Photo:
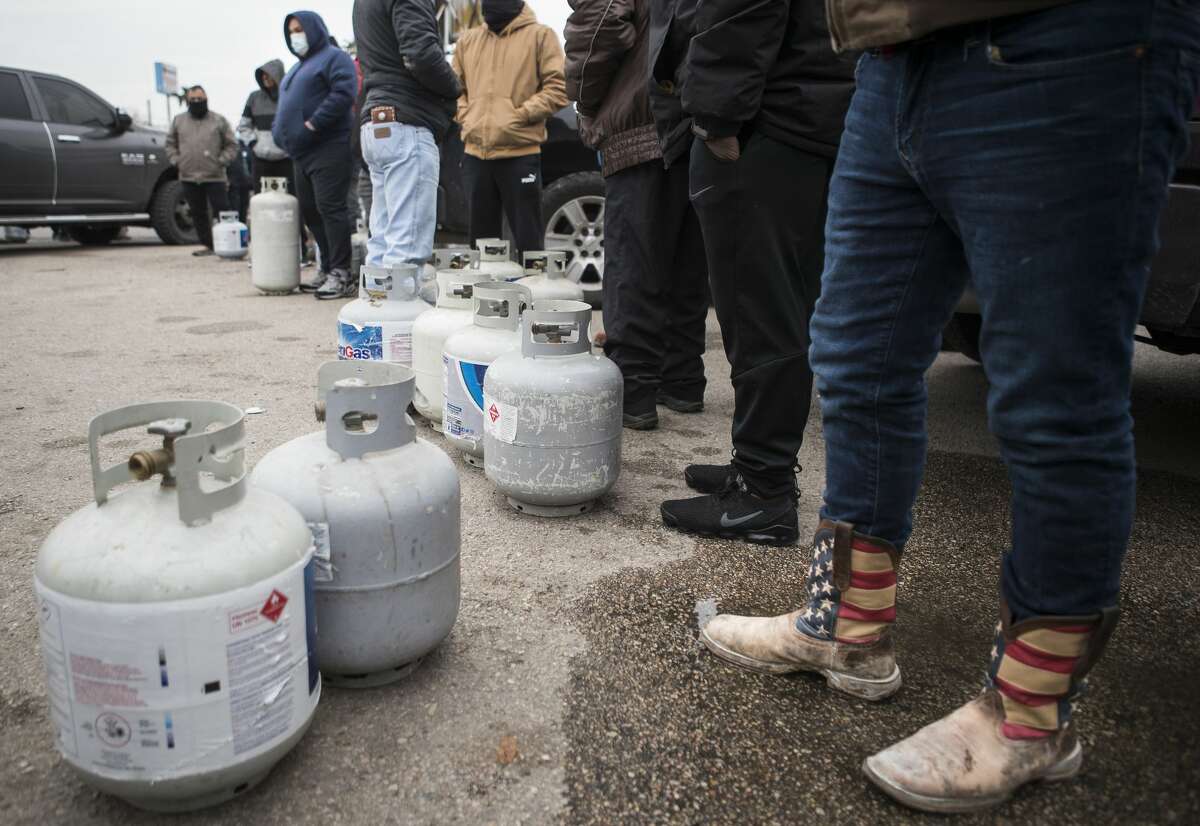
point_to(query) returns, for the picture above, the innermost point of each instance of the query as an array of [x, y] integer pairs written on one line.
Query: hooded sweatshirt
[[319, 89], [259, 115]]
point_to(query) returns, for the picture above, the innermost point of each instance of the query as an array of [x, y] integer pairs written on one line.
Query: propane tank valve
[[146, 463], [554, 332], [464, 291]]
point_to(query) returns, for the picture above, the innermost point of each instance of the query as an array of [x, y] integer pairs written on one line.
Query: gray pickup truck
[[71, 160]]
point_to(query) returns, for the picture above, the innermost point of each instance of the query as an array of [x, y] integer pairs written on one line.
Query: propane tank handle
[[493, 249], [499, 304], [227, 216], [273, 184], [456, 259], [382, 395], [190, 449], [551, 263], [549, 320], [397, 283]]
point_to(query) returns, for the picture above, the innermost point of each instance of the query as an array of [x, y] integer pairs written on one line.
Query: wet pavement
[[573, 689]]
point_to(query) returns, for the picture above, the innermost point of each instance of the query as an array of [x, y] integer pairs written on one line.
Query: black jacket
[[672, 24], [403, 63], [769, 65]]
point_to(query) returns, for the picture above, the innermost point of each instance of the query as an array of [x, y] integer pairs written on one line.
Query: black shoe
[[680, 405], [736, 513], [312, 286], [202, 251], [640, 421], [707, 478]]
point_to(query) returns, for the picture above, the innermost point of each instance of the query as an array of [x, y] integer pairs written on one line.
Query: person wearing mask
[[1028, 156], [313, 124], [254, 128], [655, 292], [408, 106], [511, 73], [767, 97], [200, 145]]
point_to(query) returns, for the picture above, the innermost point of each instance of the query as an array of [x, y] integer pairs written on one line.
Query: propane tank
[[454, 312], [383, 507], [494, 331], [176, 624], [230, 236], [378, 324], [275, 252], [552, 415], [546, 277], [495, 260]]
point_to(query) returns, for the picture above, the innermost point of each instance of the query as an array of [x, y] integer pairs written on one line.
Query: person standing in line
[[1029, 156], [313, 124], [200, 145], [511, 73], [655, 292], [767, 97], [408, 106]]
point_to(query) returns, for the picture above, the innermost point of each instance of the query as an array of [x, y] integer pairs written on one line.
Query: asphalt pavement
[[573, 689]]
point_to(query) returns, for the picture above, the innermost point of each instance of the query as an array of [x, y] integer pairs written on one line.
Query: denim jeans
[[1028, 156], [404, 177]]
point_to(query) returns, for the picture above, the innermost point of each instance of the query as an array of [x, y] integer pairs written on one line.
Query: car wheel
[[962, 335], [171, 216], [574, 210], [94, 234]]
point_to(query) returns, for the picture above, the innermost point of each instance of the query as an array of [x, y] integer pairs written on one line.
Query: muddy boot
[[844, 630], [1017, 731]]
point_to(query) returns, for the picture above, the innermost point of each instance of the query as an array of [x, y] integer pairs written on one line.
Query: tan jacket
[[865, 24], [200, 148], [512, 83]]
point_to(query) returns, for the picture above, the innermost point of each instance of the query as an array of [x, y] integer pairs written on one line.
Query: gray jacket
[[200, 148], [259, 115]]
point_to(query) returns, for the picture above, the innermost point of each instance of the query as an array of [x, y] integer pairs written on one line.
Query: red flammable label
[[273, 607], [493, 412]]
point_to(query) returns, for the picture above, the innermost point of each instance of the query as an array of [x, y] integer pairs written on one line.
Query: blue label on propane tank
[[355, 343]]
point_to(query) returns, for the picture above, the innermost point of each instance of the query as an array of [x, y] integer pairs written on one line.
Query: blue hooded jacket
[[319, 89]]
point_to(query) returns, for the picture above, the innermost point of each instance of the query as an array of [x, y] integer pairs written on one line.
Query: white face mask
[[299, 43]]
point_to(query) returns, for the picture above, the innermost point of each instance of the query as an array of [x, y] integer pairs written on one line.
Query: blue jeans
[[404, 176], [1028, 156]]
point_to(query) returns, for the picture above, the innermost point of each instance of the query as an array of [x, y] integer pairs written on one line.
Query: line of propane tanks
[[188, 620]]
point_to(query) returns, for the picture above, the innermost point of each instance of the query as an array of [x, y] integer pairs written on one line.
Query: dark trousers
[[199, 196], [322, 185], [508, 187], [763, 217], [655, 284]]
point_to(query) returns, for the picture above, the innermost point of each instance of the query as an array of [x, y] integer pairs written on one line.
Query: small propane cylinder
[[176, 619], [494, 331], [495, 260], [546, 277], [552, 415], [454, 312], [378, 324], [230, 236], [383, 507], [275, 252]]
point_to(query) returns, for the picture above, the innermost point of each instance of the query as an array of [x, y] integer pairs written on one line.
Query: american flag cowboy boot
[[843, 630]]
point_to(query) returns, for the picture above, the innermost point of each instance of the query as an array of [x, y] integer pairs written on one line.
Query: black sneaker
[[339, 284], [640, 421], [317, 283], [680, 405], [707, 478], [201, 252], [736, 513]]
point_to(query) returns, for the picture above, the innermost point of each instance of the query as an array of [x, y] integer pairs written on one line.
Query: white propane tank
[[230, 236], [546, 277], [494, 331], [275, 251], [495, 259], [176, 624], [383, 507], [378, 324], [454, 312], [552, 415]]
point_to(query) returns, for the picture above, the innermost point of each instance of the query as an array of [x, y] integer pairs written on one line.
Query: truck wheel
[[171, 216], [573, 207], [94, 234], [962, 335]]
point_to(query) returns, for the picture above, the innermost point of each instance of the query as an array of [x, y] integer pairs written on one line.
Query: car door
[[26, 156], [100, 167]]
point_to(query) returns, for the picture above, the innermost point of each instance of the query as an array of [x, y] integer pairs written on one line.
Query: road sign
[[166, 79]]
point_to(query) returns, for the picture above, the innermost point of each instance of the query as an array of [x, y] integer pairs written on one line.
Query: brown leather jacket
[[607, 46], [865, 24]]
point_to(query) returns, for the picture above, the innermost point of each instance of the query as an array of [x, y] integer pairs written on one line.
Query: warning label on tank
[[152, 690], [322, 563], [500, 420], [389, 341], [462, 416]]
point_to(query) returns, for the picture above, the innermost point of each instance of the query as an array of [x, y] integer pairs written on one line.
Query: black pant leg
[[763, 220], [681, 260], [486, 215], [520, 184], [197, 200], [329, 175], [308, 208], [217, 193]]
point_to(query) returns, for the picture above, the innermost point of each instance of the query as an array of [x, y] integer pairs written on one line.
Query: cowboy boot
[[844, 629], [1017, 731]]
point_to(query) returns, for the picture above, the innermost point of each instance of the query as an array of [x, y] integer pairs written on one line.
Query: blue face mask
[[299, 43]]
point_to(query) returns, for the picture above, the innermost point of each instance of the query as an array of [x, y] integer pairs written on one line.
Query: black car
[[72, 160]]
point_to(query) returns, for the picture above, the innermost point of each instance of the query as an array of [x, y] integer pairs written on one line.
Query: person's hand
[[724, 149], [308, 125]]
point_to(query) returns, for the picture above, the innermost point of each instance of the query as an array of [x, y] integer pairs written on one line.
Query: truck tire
[[573, 209], [94, 234], [962, 335], [171, 216]]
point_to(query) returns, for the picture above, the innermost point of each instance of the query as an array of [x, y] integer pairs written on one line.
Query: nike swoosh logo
[[726, 522], [694, 195]]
